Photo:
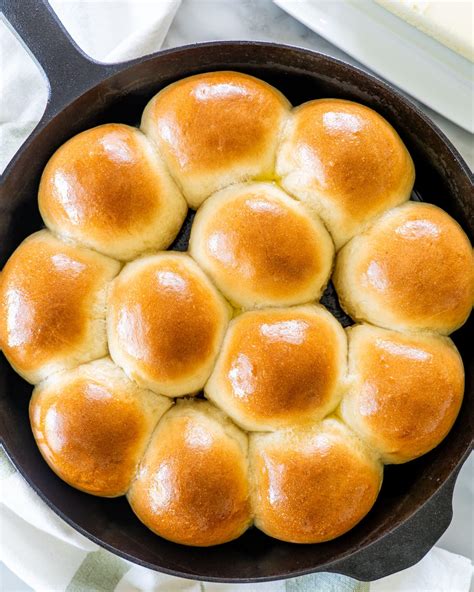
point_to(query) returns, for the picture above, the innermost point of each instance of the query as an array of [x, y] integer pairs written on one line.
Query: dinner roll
[[165, 323], [52, 306], [347, 161], [107, 189], [92, 425], [313, 485], [261, 247], [280, 368], [412, 269], [192, 486], [216, 128], [405, 390]]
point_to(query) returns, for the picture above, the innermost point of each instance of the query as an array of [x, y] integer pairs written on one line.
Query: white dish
[[397, 51]]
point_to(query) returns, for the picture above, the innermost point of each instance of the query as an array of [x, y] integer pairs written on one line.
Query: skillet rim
[[111, 71]]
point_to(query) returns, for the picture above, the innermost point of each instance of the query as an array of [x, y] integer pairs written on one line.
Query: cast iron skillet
[[414, 506]]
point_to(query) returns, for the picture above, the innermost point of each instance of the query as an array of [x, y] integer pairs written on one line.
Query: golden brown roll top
[[107, 189], [405, 390], [261, 247], [92, 425], [215, 129], [412, 269], [347, 161], [280, 368], [165, 323], [52, 306], [311, 486], [192, 486]]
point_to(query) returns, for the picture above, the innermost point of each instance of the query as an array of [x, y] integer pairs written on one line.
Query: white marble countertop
[[204, 20]]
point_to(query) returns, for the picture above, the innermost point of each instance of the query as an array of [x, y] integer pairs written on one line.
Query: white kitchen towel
[[36, 544], [107, 30], [50, 556]]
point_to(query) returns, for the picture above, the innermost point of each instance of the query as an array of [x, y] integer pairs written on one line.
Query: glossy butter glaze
[[312, 486], [52, 305], [107, 188], [413, 269], [92, 426], [216, 128], [406, 390], [165, 323], [261, 247], [280, 368], [347, 161], [192, 487]]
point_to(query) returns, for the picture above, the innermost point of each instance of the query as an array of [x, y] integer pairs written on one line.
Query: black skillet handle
[[407, 544], [68, 70]]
